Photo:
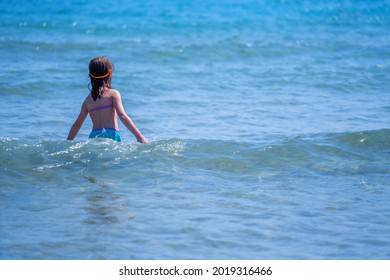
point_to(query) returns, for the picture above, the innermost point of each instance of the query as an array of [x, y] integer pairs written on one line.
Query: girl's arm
[[78, 123], [126, 119]]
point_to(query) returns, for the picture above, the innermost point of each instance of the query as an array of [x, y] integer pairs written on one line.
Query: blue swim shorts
[[110, 133]]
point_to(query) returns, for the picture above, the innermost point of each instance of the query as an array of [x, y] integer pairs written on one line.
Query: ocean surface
[[268, 122]]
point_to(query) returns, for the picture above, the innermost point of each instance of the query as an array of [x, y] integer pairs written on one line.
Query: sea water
[[268, 127]]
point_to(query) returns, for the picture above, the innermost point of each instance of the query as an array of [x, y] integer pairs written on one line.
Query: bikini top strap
[[101, 107]]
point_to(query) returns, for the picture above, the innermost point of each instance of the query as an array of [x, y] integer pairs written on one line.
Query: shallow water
[[268, 124], [324, 196]]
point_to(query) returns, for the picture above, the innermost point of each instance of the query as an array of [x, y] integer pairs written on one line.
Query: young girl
[[103, 105]]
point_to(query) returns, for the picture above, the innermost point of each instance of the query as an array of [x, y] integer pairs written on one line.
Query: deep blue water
[[268, 124]]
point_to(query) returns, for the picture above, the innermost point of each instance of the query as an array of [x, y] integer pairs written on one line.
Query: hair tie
[[101, 77]]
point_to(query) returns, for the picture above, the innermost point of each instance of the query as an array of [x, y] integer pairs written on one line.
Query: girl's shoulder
[[114, 93], [88, 102], [88, 99]]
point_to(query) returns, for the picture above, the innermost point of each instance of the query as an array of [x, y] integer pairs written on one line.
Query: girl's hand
[[142, 140]]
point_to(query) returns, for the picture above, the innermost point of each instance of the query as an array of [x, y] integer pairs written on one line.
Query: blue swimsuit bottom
[[110, 133]]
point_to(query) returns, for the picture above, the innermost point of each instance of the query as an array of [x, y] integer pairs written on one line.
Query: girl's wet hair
[[100, 69]]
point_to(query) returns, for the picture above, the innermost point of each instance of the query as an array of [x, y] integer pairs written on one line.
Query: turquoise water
[[268, 124]]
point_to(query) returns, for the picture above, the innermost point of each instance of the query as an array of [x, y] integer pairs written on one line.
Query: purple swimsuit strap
[[101, 107]]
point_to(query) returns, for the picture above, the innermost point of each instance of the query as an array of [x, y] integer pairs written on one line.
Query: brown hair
[[100, 69]]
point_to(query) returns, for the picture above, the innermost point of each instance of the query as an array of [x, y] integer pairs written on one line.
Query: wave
[[347, 153]]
